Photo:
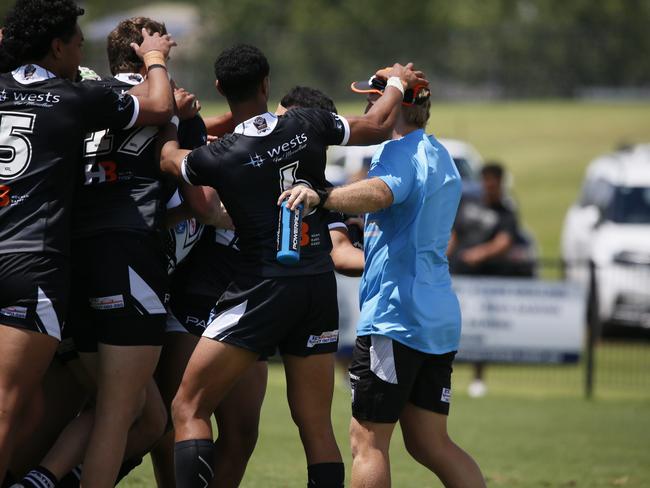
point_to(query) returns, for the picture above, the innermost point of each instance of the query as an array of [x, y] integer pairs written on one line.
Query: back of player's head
[[306, 97], [121, 56], [30, 27], [493, 169], [240, 70], [417, 114]]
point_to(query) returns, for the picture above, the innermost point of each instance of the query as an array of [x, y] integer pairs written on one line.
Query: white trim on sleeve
[[184, 171], [337, 225], [346, 127], [136, 112]]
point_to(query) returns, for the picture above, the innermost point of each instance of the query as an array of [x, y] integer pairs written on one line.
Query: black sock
[[325, 475], [39, 477], [127, 466], [193, 461], [72, 479]]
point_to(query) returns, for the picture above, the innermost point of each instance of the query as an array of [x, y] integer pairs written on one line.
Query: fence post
[[593, 332]]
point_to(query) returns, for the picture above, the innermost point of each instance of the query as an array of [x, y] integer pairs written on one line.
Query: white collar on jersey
[[258, 126], [31, 73], [130, 78]]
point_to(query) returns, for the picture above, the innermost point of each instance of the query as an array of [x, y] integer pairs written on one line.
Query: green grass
[[533, 429], [546, 146]]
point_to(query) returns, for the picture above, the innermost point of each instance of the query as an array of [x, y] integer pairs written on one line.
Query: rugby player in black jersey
[[270, 305], [44, 117]]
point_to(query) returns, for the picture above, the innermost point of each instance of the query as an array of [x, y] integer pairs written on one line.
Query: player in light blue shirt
[[406, 288], [409, 328]]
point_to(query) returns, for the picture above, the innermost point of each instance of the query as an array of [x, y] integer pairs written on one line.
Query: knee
[[314, 422], [360, 440], [153, 421], [10, 400], [427, 450]]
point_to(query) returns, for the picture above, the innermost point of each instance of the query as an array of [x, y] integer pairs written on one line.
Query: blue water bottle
[[289, 234]]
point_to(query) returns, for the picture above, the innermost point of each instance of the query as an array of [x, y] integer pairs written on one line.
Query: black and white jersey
[[120, 186], [251, 167], [43, 121]]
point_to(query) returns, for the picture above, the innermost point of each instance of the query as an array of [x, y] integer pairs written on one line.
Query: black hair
[[306, 97], [31, 25], [494, 169], [240, 70]]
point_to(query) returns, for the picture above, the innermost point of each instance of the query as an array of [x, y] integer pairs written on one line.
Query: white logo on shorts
[[14, 311], [325, 338], [107, 303], [446, 395]]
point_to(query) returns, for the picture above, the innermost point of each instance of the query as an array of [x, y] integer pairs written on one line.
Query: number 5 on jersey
[[15, 147]]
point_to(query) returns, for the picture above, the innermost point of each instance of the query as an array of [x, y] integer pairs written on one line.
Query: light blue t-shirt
[[406, 289]]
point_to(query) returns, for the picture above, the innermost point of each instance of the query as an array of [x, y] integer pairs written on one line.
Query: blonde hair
[[417, 114]]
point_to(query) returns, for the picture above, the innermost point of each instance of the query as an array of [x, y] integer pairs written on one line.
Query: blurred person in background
[[487, 240]]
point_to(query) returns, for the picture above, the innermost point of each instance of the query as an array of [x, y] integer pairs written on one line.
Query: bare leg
[[175, 355], [238, 418], [123, 374], [24, 358], [426, 439], [310, 387], [212, 370], [370, 462]]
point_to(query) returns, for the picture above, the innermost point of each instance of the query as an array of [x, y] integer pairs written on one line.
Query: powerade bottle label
[[289, 235]]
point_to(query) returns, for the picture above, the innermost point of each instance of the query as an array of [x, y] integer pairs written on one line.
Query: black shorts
[[298, 315], [386, 375], [119, 290], [34, 291], [190, 313]]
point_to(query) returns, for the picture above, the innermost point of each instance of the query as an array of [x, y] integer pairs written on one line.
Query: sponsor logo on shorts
[[325, 338], [195, 321], [446, 395], [14, 311], [107, 303]]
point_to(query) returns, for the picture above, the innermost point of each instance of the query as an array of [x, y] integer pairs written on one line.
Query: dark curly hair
[[121, 56], [240, 70], [31, 25], [306, 97]]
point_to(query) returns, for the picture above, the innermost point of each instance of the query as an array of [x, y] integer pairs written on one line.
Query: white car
[[344, 162], [608, 231]]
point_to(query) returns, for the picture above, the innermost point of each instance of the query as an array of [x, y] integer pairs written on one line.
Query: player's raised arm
[[376, 125], [157, 106]]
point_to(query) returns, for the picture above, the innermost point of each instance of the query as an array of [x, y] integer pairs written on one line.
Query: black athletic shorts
[[34, 291], [386, 375], [197, 284], [119, 290], [298, 315]]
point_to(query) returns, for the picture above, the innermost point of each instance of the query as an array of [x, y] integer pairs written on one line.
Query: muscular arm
[[157, 104], [171, 155], [348, 260], [363, 196]]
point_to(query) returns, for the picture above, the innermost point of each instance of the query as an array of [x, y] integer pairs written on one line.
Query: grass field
[[534, 429]]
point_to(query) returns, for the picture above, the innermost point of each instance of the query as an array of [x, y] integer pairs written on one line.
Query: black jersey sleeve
[[104, 108], [200, 166], [192, 133], [334, 129]]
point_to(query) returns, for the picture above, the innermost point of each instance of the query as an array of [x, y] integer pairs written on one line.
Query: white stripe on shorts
[[47, 314], [382, 361], [225, 320], [144, 295]]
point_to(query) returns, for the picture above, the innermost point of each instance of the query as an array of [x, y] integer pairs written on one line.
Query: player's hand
[[409, 77], [154, 42], [187, 105], [300, 194], [472, 256]]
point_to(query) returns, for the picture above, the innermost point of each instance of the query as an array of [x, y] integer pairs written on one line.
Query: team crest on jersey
[[260, 124], [29, 71], [3, 96]]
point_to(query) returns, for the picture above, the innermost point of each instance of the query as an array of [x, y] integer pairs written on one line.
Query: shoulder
[[392, 151]]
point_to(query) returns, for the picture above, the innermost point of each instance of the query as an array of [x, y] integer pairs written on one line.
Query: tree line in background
[[473, 48]]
